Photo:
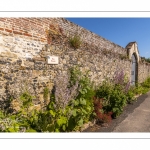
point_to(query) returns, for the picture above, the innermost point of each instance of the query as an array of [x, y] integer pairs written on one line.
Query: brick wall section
[[30, 27], [35, 29]]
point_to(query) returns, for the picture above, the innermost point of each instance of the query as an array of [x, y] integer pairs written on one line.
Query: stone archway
[[133, 55]]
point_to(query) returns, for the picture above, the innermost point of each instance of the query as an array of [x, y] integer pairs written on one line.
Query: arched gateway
[[133, 54]]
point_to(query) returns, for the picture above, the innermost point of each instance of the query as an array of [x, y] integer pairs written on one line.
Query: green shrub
[[14, 123], [23, 120], [75, 41], [117, 102], [83, 105], [105, 90], [142, 88], [53, 120], [114, 98], [130, 96], [146, 85]]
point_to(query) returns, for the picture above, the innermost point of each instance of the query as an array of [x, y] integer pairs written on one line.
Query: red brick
[[25, 19], [7, 30], [33, 22], [9, 20], [17, 32], [16, 28], [2, 29], [26, 34], [16, 21], [26, 27], [39, 23], [2, 19], [45, 22]]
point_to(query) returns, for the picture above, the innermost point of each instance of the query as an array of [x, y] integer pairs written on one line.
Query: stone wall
[[143, 71], [25, 44]]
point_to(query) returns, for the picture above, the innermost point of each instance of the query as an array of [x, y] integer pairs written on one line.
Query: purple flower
[[119, 79], [63, 92]]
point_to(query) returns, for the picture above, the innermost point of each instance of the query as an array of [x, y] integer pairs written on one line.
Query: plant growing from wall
[[107, 52], [123, 57], [75, 41], [53, 32], [26, 99], [145, 59], [46, 93]]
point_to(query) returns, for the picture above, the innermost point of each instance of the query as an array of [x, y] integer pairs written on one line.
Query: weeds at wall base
[[82, 105]]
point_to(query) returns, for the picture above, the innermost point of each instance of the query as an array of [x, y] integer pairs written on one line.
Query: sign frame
[[53, 60]]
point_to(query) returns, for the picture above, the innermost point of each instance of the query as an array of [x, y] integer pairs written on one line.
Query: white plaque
[[52, 60]]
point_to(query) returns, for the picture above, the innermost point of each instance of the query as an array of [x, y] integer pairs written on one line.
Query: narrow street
[[138, 120]]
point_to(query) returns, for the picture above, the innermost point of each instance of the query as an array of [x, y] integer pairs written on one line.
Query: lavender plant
[[124, 85], [63, 92], [121, 81], [127, 87], [119, 77]]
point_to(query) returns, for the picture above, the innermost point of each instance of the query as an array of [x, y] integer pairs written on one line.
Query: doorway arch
[[133, 54]]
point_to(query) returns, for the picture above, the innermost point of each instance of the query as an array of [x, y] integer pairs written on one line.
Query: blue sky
[[120, 30]]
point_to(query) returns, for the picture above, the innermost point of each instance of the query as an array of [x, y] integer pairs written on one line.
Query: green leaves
[[74, 113], [52, 113], [62, 123], [64, 128], [80, 122], [83, 91], [82, 101], [75, 102], [51, 127], [26, 98]]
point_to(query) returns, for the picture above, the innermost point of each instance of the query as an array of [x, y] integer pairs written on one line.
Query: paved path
[[138, 120]]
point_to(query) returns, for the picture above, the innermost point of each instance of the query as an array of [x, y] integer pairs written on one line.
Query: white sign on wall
[[28, 55], [52, 60]]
